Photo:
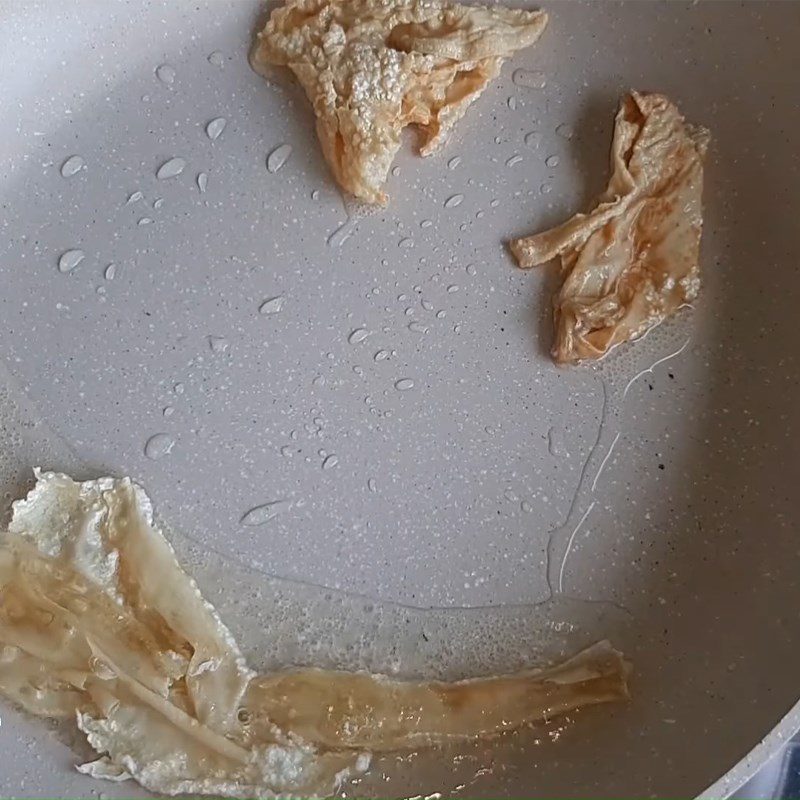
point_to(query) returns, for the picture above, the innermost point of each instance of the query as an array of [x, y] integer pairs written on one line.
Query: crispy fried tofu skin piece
[[371, 67], [633, 260]]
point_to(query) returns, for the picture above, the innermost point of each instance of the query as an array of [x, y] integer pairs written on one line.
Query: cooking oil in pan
[[281, 623], [296, 623]]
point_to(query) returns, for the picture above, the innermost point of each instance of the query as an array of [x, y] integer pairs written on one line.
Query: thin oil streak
[[569, 546], [585, 467], [555, 537], [653, 366], [605, 460]]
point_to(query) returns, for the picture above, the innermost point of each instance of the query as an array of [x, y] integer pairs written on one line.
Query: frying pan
[[420, 548]]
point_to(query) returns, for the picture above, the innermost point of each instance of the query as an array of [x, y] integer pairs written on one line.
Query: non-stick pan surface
[[425, 465]]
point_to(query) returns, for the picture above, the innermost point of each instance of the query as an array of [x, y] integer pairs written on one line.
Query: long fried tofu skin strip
[[377, 713], [99, 623]]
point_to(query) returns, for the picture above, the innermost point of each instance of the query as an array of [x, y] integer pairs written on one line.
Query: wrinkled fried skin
[[371, 67], [633, 260], [99, 623]]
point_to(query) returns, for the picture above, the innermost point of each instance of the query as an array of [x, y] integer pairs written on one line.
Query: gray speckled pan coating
[[443, 494]]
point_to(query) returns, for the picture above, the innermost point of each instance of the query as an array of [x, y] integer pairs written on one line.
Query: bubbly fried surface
[[371, 67]]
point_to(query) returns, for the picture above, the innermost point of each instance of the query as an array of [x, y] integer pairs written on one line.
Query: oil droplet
[[417, 327], [452, 288], [533, 139], [145, 221], [358, 335], [71, 166], [552, 161], [454, 162], [278, 157], [330, 461], [565, 131], [258, 515], [110, 272], [381, 355], [158, 446], [515, 159], [512, 103], [218, 344], [406, 242], [529, 79], [554, 444], [272, 306], [215, 127], [454, 201], [372, 485], [166, 74], [134, 197], [342, 233], [171, 168], [69, 260], [202, 181], [216, 58], [404, 384]]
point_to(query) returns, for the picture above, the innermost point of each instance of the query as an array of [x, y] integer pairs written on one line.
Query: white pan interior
[[425, 464]]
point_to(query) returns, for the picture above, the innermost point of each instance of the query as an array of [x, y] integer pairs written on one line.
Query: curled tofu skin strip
[[99, 623], [633, 260], [371, 67]]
